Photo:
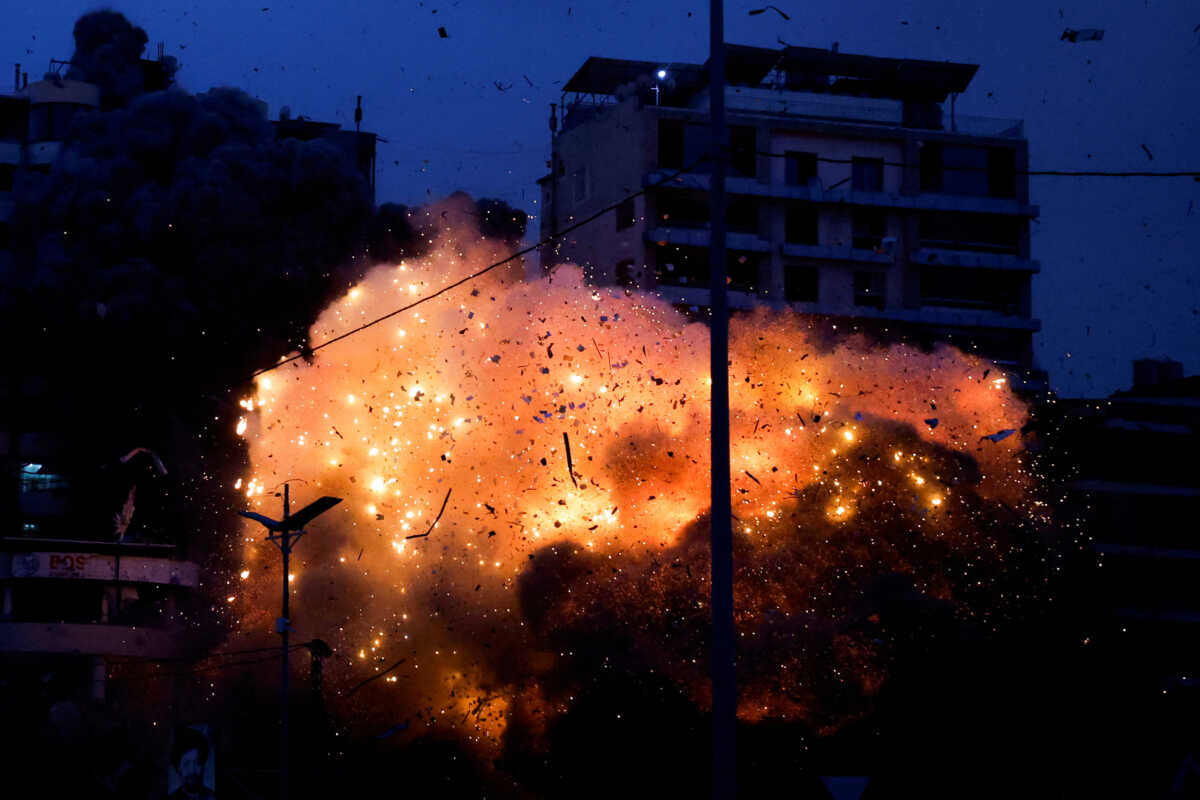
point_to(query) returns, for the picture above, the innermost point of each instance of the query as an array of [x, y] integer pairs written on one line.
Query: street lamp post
[[284, 534]]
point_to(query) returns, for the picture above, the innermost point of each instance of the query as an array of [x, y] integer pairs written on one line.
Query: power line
[[573, 227]]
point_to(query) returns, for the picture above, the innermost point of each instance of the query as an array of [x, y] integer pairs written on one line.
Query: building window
[[670, 144], [800, 284], [579, 185], [800, 224], [870, 288], [623, 276], [741, 215], [931, 167], [866, 174], [968, 170], [681, 266], [986, 233], [869, 228], [7, 173], [626, 214], [1002, 172], [741, 271], [743, 155], [978, 289], [678, 208], [800, 168], [5, 235]]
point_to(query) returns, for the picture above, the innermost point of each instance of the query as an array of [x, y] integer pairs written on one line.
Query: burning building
[[853, 192]]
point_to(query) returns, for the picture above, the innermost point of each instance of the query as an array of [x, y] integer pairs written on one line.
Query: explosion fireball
[[564, 429]]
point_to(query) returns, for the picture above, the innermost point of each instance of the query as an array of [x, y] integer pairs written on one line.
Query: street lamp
[[284, 533]]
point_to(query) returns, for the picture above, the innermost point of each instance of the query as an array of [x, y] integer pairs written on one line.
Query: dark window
[[869, 228], [870, 289], [1002, 172], [14, 119], [866, 174], [741, 271], [681, 266], [800, 167], [742, 147], [670, 144], [931, 167], [988, 233], [624, 273], [800, 284], [983, 289], [801, 223], [689, 266], [5, 235], [677, 208], [741, 215], [7, 173], [626, 214]]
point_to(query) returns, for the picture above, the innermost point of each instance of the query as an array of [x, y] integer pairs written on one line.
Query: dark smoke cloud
[[108, 52]]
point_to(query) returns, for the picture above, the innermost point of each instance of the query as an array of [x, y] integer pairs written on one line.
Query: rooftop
[[802, 68]]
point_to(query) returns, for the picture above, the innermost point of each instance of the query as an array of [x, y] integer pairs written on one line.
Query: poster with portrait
[[191, 774]]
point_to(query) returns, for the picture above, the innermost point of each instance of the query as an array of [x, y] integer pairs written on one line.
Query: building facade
[[854, 190], [1141, 495]]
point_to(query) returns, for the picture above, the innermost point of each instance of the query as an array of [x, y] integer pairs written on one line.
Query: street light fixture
[[284, 533]]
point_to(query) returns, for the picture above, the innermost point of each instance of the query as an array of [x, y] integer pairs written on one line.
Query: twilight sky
[[1119, 257]]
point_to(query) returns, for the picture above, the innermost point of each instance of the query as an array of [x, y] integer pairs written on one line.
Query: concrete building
[[855, 190], [36, 117], [1140, 490]]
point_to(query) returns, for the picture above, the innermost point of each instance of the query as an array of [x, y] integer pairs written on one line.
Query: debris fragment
[[570, 466], [442, 33], [435, 520], [932, 422], [1148, 153], [1081, 35], [999, 435], [757, 11]]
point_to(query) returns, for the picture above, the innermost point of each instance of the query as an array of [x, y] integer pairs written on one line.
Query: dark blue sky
[[1119, 256]]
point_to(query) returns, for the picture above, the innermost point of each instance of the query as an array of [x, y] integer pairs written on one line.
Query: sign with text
[[99, 567]]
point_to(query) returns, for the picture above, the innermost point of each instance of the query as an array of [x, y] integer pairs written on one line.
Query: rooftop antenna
[[358, 116], [160, 50]]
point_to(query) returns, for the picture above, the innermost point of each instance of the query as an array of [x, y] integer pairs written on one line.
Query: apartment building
[[854, 190]]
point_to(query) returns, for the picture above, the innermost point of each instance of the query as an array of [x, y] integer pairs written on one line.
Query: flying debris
[[1000, 435], [442, 33], [756, 11], [1082, 35]]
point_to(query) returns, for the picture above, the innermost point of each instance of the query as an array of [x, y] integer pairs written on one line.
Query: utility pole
[[283, 626], [724, 689], [284, 534]]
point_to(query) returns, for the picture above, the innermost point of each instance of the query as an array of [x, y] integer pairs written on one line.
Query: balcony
[[702, 237], [815, 193], [825, 252], [958, 258]]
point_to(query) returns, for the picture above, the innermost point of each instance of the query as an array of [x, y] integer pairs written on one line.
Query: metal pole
[[285, 546], [724, 690]]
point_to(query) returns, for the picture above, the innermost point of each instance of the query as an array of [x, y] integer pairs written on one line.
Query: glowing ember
[[473, 397]]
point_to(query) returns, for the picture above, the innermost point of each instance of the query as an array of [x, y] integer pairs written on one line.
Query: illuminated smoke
[[862, 480]]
